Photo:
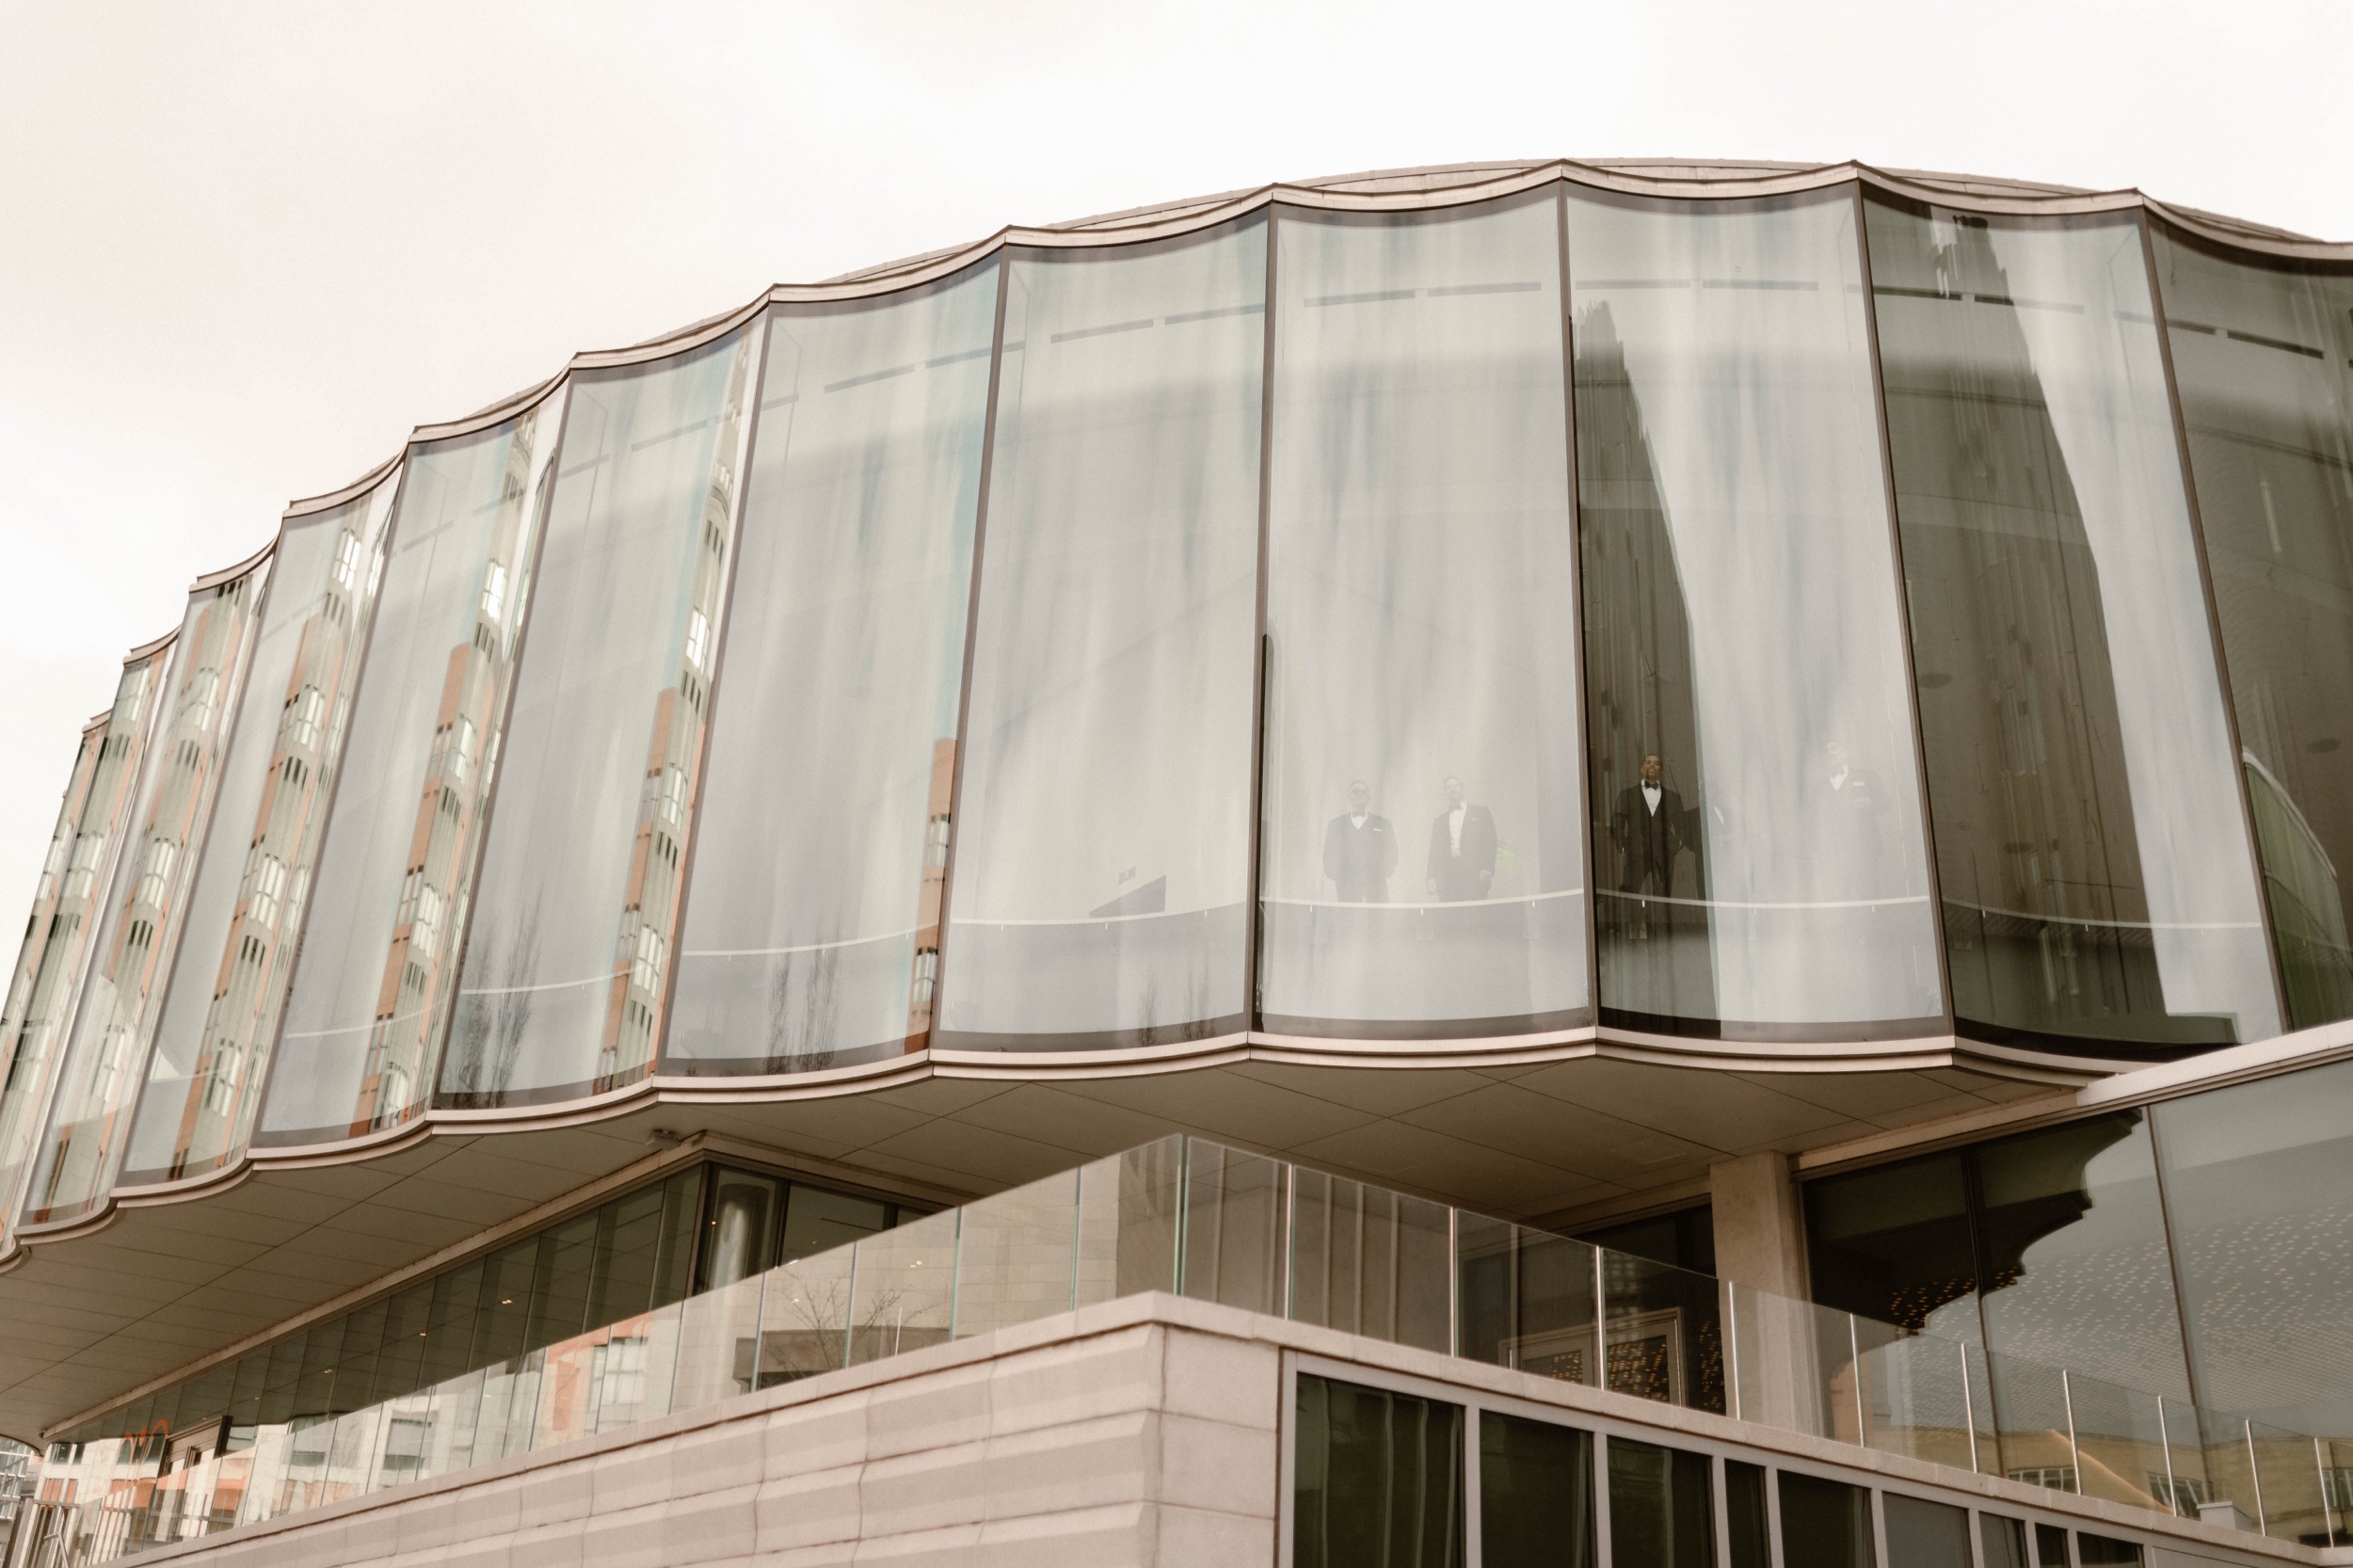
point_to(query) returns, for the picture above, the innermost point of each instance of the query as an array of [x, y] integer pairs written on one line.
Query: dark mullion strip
[[1262, 642], [972, 638], [2214, 616], [1903, 612], [1576, 621], [754, 392]]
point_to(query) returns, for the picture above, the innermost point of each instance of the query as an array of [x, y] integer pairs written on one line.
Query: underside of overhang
[[168, 1280]]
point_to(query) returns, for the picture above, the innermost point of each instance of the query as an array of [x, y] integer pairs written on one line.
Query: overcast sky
[[245, 247]]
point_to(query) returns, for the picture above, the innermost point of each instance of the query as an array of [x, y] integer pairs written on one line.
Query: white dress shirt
[[1455, 827], [1650, 793]]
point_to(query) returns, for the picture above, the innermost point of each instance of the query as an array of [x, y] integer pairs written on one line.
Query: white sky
[[245, 247]]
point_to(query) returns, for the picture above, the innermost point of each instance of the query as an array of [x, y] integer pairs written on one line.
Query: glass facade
[[2091, 840], [220, 1012], [1815, 619], [812, 929], [67, 904], [371, 994], [104, 1060], [567, 945], [1422, 864], [1100, 884], [1754, 781], [2262, 359]]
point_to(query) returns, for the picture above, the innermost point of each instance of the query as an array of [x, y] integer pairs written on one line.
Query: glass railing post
[[1454, 1278], [1732, 1348], [2074, 1450], [2255, 1477], [1968, 1404], [2328, 1510], [1854, 1371], [2165, 1441], [1601, 1319]]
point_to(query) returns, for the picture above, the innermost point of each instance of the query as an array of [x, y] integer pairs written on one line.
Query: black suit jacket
[[1459, 876], [1647, 841], [1359, 859]]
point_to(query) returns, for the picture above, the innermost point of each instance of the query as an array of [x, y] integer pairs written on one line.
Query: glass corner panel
[[371, 993], [1367, 1261], [1098, 893], [245, 911], [2262, 360], [2100, 892], [1754, 778], [104, 1061], [1017, 1256], [811, 934], [1422, 860], [1236, 1250], [1664, 1333], [574, 917], [903, 1296], [68, 906]]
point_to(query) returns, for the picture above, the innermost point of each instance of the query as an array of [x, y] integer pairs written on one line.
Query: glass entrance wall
[[66, 906], [2091, 841], [1100, 885], [105, 1062], [220, 1014], [371, 994], [1754, 794], [1421, 556], [811, 934], [568, 954], [2263, 361]]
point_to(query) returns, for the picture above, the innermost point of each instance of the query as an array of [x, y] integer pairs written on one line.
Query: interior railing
[[1192, 1217]]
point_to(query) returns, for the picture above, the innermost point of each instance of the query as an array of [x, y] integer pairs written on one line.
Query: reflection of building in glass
[[907, 921]]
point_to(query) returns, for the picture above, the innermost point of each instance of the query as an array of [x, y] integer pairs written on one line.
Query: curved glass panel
[[2259, 1187], [812, 924], [1756, 796], [1103, 859], [371, 993], [1422, 864], [568, 955], [244, 924], [2263, 358], [82, 855], [105, 1062], [2090, 840]]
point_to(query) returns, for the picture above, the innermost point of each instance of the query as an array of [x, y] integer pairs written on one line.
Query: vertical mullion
[[755, 388], [971, 628], [2143, 237], [1262, 642], [1576, 622], [1903, 611]]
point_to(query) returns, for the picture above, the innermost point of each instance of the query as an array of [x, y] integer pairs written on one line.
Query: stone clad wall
[[1138, 1443]]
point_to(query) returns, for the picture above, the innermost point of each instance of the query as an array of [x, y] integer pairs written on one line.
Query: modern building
[[1570, 863]]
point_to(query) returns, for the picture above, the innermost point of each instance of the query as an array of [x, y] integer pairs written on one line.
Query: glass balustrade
[[1189, 1217]]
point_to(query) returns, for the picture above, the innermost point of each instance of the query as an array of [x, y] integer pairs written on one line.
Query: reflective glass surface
[[371, 992], [1827, 1524], [1754, 794], [2091, 842], [1378, 1479], [105, 1062], [1535, 1494], [2262, 360], [73, 880], [220, 1012], [568, 952], [2259, 1183], [1662, 1506], [811, 934], [1422, 865], [1102, 861]]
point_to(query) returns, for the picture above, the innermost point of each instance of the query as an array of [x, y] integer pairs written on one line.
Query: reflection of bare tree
[[490, 1027], [790, 1039]]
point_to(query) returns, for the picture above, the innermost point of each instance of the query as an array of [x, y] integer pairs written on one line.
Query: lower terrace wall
[[1143, 1432]]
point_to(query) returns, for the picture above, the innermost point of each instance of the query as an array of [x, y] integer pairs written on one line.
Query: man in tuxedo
[[1360, 850], [1649, 828], [1462, 849]]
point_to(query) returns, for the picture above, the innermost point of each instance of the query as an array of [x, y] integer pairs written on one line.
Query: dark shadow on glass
[[1925, 1534], [1825, 1524], [1662, 1506], [1378, 1479], [1535, 1494]]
